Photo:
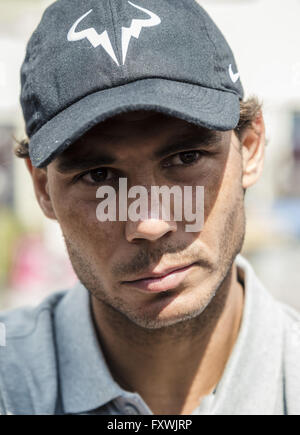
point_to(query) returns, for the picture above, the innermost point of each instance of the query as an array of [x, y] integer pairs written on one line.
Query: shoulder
[[28, 358], [292, 319], [23, 322], [279, 328], [291, 359], [291, 322]]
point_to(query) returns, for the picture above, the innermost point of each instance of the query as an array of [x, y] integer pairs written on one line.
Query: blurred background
[[265, 37]]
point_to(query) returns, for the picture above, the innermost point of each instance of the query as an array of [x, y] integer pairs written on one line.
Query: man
[[164, 320]]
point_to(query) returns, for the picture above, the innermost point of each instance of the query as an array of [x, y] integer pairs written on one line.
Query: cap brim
[[210, 108]]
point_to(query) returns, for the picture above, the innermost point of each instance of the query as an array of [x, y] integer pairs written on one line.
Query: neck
[[184, 362]]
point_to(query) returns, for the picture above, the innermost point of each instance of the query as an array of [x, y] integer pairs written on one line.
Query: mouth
[[161, 281]]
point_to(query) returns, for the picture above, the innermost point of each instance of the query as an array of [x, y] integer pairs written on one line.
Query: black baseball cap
[[89, 60]]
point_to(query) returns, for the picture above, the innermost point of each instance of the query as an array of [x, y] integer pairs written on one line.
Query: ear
[[41, 188], [253, 151]]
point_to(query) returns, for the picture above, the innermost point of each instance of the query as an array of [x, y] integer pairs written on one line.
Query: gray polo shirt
[[52, 362]]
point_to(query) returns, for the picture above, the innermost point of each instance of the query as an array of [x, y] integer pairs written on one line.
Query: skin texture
[[171, 347]]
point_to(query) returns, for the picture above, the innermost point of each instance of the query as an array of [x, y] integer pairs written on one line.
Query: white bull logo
[[103, 39]]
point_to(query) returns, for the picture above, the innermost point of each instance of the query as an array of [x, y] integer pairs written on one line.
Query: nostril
[[150, 229]]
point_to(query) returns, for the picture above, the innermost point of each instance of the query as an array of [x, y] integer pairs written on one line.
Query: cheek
[[215, 182], [82, 229], [224, 200], [232, 181]]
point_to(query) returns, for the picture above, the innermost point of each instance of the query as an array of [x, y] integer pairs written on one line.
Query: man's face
[[150, 149]]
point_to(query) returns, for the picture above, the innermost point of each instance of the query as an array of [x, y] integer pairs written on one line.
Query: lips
[[161, 281]]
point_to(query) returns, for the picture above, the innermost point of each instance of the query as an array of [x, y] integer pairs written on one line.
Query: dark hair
[[249, 111]]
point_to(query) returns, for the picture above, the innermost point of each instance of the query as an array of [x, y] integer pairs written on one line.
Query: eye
[[97, 176], [189, 157], [186, 158]]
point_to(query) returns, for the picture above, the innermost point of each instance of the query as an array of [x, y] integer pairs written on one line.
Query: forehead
[[118, 133]]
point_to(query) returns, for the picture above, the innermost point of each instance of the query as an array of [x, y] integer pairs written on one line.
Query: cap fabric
[[89, 60]]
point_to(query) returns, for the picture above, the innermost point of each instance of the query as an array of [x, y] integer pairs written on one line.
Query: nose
[[149, 229]]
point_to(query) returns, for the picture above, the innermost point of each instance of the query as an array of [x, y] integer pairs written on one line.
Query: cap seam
[[196, 8], [114, 27], [216, 52]]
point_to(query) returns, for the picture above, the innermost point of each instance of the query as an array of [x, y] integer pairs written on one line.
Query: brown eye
[[98, 175], [186, 158], [189, 157]]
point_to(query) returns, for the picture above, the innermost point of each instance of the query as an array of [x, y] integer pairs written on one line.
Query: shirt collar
[[251, 381], [85, 380]]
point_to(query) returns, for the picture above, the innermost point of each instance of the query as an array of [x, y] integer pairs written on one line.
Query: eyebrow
[[71, 164], [185, 142], [178, 143]]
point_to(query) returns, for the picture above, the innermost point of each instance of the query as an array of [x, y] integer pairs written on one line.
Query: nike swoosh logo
[[234, 76]]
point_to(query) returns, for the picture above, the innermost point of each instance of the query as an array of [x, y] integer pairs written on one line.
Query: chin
[[168, 310]]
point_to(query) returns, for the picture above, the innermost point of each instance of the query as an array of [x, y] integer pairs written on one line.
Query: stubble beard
[[232, 239]]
